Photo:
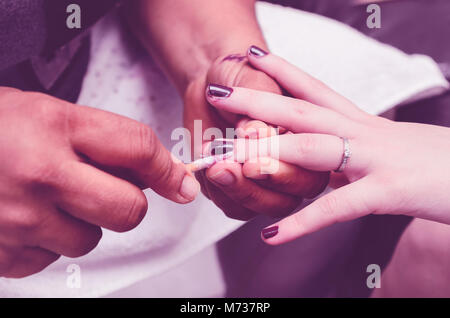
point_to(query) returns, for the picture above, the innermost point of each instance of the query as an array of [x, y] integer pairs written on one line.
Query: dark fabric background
[[38, 27], [58, 34], [22, 30]]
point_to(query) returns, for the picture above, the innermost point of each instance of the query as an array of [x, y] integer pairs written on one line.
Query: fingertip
[[264, 61], [217, 99], [269, 233], [216, 92], [269, 241], [255, 52], [189, 189]]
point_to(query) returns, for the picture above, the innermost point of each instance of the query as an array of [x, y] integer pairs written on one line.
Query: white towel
[[124, 80], [375, 76]]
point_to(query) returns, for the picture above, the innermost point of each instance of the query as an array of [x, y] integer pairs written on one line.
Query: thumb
[[119, 143], [169, 177]]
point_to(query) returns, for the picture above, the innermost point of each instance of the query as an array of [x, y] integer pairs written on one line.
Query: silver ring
[[345, 156]]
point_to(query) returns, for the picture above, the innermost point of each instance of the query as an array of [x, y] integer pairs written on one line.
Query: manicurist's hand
[[392, 168], [68, 170]]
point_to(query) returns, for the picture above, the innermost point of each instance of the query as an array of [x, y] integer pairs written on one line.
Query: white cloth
[[124, 80], [375, 76]]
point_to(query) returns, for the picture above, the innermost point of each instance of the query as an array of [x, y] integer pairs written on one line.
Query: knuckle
[[41, 172], [135, 212], [145, 146], [306, 146], [391, 188], [164, 173], [28, 222], [38, 172], [328, 205], [300, 108], [48, 111], [44, 106]]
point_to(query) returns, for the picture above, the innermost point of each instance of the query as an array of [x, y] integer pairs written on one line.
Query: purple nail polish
[[219, 91], [270, 232], [256, 51]]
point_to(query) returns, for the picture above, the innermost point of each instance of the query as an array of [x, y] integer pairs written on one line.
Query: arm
[[187, 36]]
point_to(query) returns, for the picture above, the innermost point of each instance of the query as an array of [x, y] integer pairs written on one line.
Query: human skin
[[419, 265], [197, 42], [66, 171], [395, 168]]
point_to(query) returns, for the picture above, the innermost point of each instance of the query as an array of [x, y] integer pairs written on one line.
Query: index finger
[[294, 114], [300, 84]]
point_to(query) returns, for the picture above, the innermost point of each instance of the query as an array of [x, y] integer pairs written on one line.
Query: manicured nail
[[224, 177], [219, 91], [256, 51], [270, 232], [189, 188]]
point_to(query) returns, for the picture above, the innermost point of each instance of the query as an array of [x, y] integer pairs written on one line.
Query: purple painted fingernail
[[270, 232], [256, 51], [219, 91]]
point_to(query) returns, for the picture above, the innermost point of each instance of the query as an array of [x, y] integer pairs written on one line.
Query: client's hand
[[243, 191], [393, 168]]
